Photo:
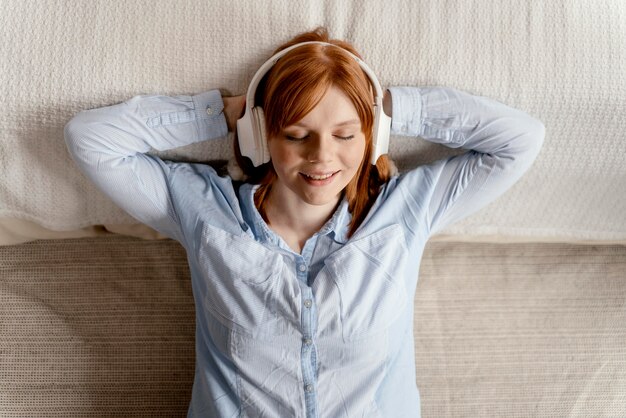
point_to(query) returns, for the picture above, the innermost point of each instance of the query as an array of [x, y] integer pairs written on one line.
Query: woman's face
[[316, 157]]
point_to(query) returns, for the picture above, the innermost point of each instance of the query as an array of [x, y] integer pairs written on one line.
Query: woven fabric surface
[[104, 327], [95, 328], [522, 330], [560, 61]]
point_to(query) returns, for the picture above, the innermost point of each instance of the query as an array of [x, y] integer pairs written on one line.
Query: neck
[[294, 219]]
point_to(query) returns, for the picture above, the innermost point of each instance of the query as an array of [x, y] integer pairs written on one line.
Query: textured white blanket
[[561, 61]]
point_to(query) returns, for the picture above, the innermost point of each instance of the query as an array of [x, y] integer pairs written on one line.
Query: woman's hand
[[233, 110]]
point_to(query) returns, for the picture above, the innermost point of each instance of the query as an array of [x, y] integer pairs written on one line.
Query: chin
[[322, 200]]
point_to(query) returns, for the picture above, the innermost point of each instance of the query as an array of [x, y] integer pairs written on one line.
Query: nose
[[320, 149]]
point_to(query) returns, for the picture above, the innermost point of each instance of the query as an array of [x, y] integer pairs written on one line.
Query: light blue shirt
[[324, 333]]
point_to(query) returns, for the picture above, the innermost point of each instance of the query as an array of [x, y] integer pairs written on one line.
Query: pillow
[[560, 61]]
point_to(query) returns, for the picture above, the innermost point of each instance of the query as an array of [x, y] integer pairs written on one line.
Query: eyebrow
[[344, 123]]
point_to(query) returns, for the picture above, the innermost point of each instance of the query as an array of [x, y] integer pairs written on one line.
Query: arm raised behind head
[[503, 143], [110, 145]]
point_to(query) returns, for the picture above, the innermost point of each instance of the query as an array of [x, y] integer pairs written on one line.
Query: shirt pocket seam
[[225, 290], [366, 246]]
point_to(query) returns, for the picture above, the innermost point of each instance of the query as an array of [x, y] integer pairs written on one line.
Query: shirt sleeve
[[503, 142], [110, 146]]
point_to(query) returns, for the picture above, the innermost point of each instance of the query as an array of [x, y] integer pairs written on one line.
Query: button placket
[[301, 270], [307, 356]]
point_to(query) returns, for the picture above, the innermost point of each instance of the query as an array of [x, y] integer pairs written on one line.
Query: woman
[[303, 276]]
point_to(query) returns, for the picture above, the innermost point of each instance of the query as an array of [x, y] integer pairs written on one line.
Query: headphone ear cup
[[262, 131], [380, 134]]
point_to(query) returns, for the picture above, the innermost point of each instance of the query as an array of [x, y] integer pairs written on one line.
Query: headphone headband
[[267, 66], [251, 127]]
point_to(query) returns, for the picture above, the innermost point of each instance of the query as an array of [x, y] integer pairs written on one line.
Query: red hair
[[293, 87]]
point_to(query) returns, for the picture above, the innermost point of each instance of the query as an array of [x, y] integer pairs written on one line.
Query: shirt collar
[[337, 226], [339, 223]]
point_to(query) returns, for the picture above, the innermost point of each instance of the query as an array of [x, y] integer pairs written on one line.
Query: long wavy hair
[[292, 88]]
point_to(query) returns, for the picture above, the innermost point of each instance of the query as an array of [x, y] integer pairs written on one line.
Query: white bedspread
[[561, 61]]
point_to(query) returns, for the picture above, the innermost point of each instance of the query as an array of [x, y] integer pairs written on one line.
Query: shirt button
[[308, 341], [302, 267], [309, 388], [209, 110], [308, 303]]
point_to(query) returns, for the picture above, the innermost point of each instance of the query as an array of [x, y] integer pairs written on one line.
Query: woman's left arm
[[503, 143]]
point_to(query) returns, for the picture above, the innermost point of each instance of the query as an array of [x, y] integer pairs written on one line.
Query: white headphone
[[251, 127]]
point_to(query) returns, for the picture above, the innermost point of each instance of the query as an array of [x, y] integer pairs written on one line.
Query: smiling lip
[[319, 179]]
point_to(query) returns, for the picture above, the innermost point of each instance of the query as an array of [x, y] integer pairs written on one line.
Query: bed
[[520, 308]]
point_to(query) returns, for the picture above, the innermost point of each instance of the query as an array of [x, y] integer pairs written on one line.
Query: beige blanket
[[104, 328], [562, 61]]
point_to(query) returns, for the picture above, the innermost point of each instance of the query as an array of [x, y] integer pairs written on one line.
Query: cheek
[[357, 153], [275, 151], [281, 156]]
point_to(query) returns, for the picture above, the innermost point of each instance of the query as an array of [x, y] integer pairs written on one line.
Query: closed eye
[[295, 138], [301, 138]]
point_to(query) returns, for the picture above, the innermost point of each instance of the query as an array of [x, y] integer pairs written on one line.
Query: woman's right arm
[[110, 146]]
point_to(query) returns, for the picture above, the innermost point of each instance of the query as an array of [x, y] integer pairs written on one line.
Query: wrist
[[233, 110]]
